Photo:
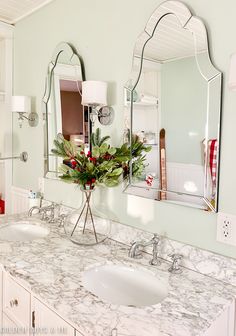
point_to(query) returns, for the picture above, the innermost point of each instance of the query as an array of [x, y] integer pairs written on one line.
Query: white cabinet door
[[225, 324], [46, 322], [10, 328], [1, 296], [16, 302]]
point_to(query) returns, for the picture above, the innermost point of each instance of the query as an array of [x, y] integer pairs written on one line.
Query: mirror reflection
[[172, 103], [64, 112]]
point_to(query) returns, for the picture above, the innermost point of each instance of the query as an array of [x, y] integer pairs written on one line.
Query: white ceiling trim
[[15, 11]]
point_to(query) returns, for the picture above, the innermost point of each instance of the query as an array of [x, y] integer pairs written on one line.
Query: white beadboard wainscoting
[[186, 178], [20, 200]]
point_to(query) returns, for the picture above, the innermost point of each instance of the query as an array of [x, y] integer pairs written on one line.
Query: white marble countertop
[[53, 268]]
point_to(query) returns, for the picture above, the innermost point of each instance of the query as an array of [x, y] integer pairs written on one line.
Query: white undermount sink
[[123, 285], [22, 231]]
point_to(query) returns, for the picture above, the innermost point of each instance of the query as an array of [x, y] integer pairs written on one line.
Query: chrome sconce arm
[[105, 115], [32, 119], [22, 157]]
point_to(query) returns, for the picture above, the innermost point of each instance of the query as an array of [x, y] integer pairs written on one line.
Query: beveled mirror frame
[[204, 64], [70, 53]]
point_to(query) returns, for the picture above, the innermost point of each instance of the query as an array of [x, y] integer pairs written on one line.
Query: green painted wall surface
[[183, 110], [104, 32]]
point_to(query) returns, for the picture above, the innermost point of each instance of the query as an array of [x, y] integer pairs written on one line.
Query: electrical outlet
[[226, 228]]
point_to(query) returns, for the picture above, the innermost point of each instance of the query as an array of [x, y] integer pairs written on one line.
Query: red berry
[[73, 163], [82, 152]]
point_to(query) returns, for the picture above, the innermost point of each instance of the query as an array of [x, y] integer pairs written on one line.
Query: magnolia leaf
[[96, 152], [103, 148], [147, 148], [122, 159], [90, 166], [116, 172], [112, 150]]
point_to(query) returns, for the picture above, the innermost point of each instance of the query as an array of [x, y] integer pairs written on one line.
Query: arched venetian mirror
[[173, 104], [63, 109]]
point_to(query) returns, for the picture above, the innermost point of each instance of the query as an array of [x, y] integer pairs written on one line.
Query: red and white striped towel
[[210, 151], [213, 147]]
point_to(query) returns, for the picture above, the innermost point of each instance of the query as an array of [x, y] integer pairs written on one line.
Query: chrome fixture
[[175, 267], [22, 105], [94, 95], [22, 157], [48, 212], [136, 250], [61, 219]]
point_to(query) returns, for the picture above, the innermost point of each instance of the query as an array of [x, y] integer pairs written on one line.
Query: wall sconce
[[232, 73], [94, 95], [22, 105]]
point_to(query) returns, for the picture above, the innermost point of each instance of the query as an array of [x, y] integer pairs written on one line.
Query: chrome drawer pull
[[14, 303]]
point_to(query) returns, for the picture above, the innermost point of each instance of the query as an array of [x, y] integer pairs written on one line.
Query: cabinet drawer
[[16, 301]]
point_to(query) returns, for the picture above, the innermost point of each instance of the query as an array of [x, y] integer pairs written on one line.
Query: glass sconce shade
[[94, 93], [21, 104]]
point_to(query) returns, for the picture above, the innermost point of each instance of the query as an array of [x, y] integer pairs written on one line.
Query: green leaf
[[112, 150], [90, 166], [148, 148], [96, 152], [116, 172], [103, 148]]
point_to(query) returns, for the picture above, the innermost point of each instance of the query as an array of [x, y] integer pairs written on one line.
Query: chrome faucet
[[48, 212], [136, 250], [175, 267]]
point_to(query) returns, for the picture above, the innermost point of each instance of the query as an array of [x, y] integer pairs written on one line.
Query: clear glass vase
[[87, 225]]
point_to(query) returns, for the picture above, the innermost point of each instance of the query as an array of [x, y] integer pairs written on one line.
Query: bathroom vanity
[[42, 287]]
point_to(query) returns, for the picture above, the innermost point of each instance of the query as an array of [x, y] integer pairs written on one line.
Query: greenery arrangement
[[104, 165]]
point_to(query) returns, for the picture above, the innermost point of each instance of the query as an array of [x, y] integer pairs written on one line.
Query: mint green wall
[[104, 32]]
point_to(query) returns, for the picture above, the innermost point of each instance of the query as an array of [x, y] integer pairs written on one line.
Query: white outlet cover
[[226, 228]]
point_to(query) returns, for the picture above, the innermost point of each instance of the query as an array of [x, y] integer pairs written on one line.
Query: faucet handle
[[175, 267], [61, 219], [155, 261], [156, 239], [175, 256]]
